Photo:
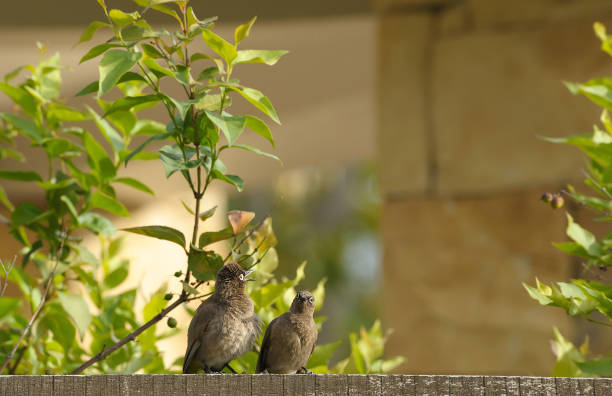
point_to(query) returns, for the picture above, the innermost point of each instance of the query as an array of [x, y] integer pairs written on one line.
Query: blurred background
[[412, 168]]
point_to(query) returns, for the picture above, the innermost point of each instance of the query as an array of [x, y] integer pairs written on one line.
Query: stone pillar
[[464, 89]]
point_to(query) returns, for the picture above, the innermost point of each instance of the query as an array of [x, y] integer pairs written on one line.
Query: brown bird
[[290, 339], [224, 326]]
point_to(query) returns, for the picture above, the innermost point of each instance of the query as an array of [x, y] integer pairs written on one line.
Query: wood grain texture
[[300, 384]]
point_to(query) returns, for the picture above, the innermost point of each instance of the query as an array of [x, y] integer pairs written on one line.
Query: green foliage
[[587, 299], [75, 309]]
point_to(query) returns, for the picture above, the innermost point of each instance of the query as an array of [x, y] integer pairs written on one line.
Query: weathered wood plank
[[530, 386], [326, 384], [240, 384], [549, 386], [513, 386], [357, 384], [603, 386], [43, 385], [299, 385], [196, 384], [398, 385], [495, 386], [374, 385], [566, 386], [267, 384], [140, 385], [431, 384], [466, 385], [167, 384], [585, 386]]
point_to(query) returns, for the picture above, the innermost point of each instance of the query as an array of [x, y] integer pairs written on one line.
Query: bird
[[224, 326], [290, 339]]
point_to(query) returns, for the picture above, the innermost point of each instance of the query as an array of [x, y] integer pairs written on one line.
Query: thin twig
[[130, 337], [247, 236], [17, 361], [38, 309], [7, 270]]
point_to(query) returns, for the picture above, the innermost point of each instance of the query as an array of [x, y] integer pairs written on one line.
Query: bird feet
[[304, 370]]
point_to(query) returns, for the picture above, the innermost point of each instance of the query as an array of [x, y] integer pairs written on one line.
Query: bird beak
[[247, 273]]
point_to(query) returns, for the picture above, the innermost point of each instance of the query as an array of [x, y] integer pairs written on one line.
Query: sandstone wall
[[464, 88]]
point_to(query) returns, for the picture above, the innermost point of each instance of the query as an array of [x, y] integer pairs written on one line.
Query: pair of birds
[[225, 327]]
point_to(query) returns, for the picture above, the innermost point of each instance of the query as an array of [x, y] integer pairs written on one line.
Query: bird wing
[[197, 327], [265, 346]]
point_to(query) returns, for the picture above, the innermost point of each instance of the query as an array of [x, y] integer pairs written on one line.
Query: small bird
[[290, 339], [224, 326]]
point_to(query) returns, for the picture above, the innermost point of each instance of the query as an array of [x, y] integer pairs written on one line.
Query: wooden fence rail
[[220, 384]]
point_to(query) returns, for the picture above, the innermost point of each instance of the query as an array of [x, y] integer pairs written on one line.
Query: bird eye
[[310, 300], [241, 276]]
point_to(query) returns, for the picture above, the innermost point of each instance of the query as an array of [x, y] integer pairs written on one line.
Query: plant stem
[[130, 337], [43, 299]]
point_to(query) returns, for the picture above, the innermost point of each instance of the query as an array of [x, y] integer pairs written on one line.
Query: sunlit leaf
[[160, 232], [114, 64]]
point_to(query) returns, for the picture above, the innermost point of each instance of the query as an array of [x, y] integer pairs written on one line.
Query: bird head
[[231, 279], [303, 302]]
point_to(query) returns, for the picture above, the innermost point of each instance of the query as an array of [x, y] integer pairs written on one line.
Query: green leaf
[[89, 32], [582, 237], [5, 201], [113, 65], [94, 86], [154, 306], [257, 99], [20, 175], [97, 223], [78, 310], [602, 367], [323, 354], [127, 102], [256, 151], [97, 51], [151, 51], [9, 305], [234, 180], [115, 278], [134, 183], [98, 159], [25, 213], [232, 126], [57, 112], [29, 128], [269, 57], [160, 232], [122, 19], [108, 131], [243, 31], [160, 136], [208, 213], [207, 73], [259, 127], [224, 49], [204, 264], [154, 66], [21, 97], [70, 207], [206, 238], [105, 202]]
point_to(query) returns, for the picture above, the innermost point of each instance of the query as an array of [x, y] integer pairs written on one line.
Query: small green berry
[[171, 322], [168, 297], [547, 197], [557, 202]]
